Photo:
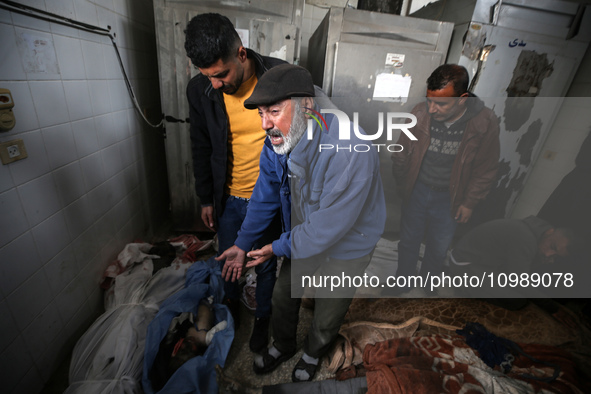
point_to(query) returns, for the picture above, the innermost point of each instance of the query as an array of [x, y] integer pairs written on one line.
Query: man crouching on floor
[[333, 210]]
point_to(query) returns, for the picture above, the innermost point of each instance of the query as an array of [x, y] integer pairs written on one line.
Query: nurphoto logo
[[345, 130]]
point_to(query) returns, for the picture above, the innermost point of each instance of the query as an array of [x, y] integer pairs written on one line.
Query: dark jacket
[[502, 245], [209, 133], [475, 167], [339, 210]]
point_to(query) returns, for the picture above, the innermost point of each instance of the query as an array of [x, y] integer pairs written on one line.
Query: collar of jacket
[[474, 107], [260, 69], [305, 152]]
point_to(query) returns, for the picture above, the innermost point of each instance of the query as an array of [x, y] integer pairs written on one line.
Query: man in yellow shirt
[[227, 140]]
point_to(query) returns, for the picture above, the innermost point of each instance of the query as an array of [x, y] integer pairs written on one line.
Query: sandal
[[309, 368], [270, 362]]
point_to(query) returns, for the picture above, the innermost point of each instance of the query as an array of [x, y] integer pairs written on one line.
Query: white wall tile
[[14, 364], [69, 56], [92, 171], [60, 270], [71, 299], [124, 8], [112, 66], [92, 276], [94, 61], [85, 247], [120, 125], [79, 216], [36, 164], [118, 187], [86, 12], [126, 151], [40, 4], [69, 183], [52, 357], [29, 22], [24, 110], [5, 17], [81, 320], [132, 182], [119, 95], [50, 102], [108, 4], [62, 30], [51, 236], [43, 330], [32, 382], [85, 137], [105, 130], [100, 198], [99, 97], [121, 213], [11, 212], [112, 160], [6, 181], [29, 299], [105, 231], [63, 8], [39, 199], [8, 329], [123, 28], [113, 246], [60, 145], [12, 68], [18, 261], [134, 122]]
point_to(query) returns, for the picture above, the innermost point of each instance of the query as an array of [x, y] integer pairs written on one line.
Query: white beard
[[297, 129]]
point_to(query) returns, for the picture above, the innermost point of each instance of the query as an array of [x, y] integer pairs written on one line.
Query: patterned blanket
[[445, 363]]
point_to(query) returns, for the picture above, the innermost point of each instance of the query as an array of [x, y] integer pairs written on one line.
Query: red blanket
[[438, 364]]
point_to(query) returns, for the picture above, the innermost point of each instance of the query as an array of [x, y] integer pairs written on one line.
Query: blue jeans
[[229, 224], [426, 215]]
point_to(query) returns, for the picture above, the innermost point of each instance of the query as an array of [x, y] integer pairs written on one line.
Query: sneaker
[[260, 334]]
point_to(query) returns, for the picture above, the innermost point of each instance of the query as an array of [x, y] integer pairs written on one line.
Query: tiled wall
[[313, 15], [572, 125], [94, 179]]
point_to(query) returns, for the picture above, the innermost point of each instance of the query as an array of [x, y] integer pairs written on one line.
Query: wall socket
[[11, 151]]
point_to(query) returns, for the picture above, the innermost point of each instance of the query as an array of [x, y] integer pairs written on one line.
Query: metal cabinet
[[522, 56]]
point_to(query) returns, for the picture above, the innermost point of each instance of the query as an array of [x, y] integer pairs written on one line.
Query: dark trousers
[[229, 224], [329, 309], [426, 215]]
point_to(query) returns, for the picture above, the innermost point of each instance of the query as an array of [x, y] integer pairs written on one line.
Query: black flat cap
[[280, 83]]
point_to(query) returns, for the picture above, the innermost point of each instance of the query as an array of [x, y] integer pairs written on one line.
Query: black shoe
[[270, 362], [234, 307], [260, 334]]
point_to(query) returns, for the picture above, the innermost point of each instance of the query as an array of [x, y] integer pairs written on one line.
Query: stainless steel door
[[273, 28]]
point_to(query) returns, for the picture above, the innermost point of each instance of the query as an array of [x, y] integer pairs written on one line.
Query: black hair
[[449, 73], [209, 38]]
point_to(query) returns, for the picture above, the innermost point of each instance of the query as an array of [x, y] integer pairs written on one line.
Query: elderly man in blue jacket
[[333, 210]]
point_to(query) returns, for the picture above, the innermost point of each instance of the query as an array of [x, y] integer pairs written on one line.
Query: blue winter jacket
[[338, 200]]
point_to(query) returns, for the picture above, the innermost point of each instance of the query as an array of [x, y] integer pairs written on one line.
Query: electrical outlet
[[11, 151]]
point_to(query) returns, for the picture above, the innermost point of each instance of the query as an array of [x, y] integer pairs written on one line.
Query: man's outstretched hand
[[234, 265], [259, 256]]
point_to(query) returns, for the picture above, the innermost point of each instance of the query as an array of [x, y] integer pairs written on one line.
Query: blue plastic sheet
[[198, 374]]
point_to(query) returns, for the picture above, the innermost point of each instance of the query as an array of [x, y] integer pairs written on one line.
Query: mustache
[[274, 133]]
